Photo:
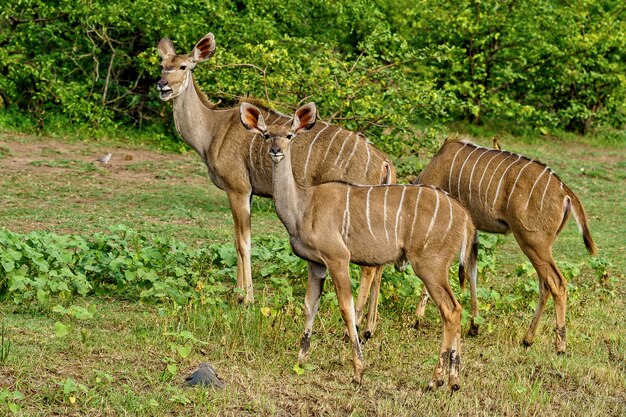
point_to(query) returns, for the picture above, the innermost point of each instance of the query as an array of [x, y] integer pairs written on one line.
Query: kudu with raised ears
[[506, 192], [237, 160], [333, 224]]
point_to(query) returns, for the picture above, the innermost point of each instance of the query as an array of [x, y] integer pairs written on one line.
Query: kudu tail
[[468, 258], [581, 220]]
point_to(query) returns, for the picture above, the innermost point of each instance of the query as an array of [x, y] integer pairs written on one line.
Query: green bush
[[387, 68]]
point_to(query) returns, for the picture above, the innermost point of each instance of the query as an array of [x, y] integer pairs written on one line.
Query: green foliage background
[[387, 68]]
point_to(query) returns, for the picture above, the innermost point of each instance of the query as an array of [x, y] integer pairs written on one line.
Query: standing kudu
[[333, 224], [237, 161], [506, 192]]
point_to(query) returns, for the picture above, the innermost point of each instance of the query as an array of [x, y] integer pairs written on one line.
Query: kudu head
[[176, 69], [281, 136]]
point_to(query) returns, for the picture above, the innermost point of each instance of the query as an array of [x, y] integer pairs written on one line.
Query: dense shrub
[[384, 67]]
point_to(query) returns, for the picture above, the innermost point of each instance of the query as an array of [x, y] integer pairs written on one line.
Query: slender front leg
[[240, 207], [340, 275], [315, 285], [368, 274], [372, 309]]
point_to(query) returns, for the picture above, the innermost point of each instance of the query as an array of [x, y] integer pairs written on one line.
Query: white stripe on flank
[[347, 161], [533, 187], [330, 145], [544, 191], [469, 184], [480, 184], [367, 211], [385, 213], [308, 155], [493, 175], [458, 184], [502, 178], [342, 146], [398, 212], [289, 119], [346, 215], [369, 156], [450, 206], [452, 166], [432, 221], [417, 201], [515, 183]]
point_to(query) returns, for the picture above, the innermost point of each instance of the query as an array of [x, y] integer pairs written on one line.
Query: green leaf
[[298, 370], [183, 351], [60, 329]]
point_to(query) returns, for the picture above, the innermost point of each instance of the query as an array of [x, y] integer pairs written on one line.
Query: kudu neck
[[288, 196], [195, 122]]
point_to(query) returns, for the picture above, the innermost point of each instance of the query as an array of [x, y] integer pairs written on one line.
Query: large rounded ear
[[252, 119], [204, 49], [166, 48], [305, 118]]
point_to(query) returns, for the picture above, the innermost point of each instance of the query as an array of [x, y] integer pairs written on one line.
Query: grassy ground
[[125, 360]]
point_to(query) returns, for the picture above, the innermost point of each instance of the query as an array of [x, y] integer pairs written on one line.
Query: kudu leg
[[450, 352], [339, 272], [315, 285], [368, 274], [421, 308], [372, 309], [551, 282], [240, 208]]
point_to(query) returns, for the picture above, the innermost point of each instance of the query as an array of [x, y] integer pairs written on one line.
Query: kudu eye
[[183, 67], [266, 135], [290, 136]]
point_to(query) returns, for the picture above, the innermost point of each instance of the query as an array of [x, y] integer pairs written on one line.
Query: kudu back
[[237, 160], [506, 192], [333, 224]]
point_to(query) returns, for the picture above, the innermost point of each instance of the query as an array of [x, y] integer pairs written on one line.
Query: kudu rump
[[237, 160], [333, 224], [506, 192]]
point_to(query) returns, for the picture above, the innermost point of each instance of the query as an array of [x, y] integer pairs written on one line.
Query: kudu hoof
[[473, 330], [417, 325], [527, 343]]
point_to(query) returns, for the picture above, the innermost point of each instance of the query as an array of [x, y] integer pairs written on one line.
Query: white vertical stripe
[[452, 166], [346, 215], [417, 201], [515, 183], [385, 213], [330, 145], [367, 211], [533, 187], [544, 191], [342, 146], [369, 156], [398, 212], [458, 185], [469, 184], [480, 183], [493, 175], [433, 219], [347, 161], [502, 178], [308, 155], [450, 206]]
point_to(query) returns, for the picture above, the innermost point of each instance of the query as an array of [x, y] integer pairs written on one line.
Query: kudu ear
[[204, 49], [166, 48], [304, 119], [252, 119]]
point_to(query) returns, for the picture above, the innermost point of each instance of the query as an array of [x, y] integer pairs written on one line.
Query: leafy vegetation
[[387, 68]]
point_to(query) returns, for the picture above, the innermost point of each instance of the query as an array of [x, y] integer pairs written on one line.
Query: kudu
[[333, 224], [506, 192], [236, 160]]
